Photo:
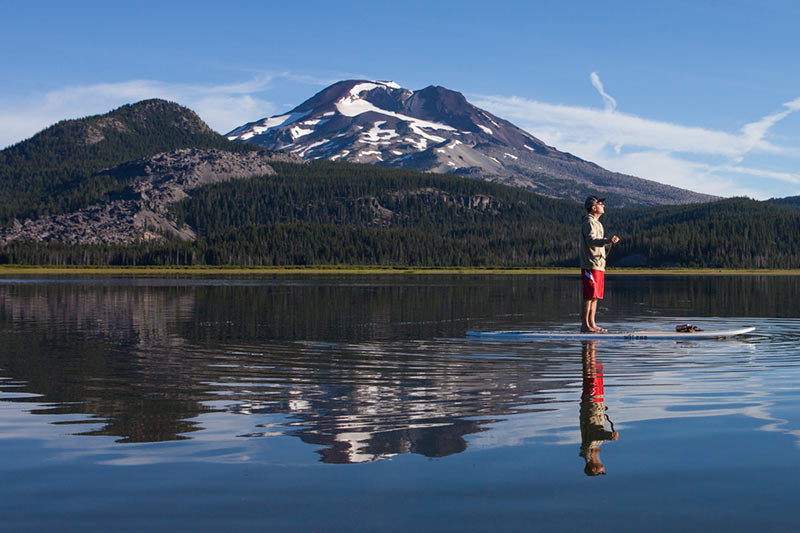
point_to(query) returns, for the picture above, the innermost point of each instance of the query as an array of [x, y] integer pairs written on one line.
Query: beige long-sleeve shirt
[[593, 244]]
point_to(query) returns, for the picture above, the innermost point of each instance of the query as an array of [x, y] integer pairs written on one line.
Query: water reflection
[[366, 402], [146, 363], [593, 411], [360, 369]]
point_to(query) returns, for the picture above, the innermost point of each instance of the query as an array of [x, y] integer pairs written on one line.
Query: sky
[[699, 94]]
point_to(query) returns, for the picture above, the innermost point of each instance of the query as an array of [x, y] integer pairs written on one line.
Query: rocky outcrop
[[140, 212]]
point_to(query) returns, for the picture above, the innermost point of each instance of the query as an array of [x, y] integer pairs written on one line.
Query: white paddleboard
[[630, 335]]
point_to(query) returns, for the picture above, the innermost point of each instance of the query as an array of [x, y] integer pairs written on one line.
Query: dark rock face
[[140, 211], [437, 130]]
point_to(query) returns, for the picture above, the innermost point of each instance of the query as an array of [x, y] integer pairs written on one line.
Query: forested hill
[[424, 219], [55, 170], [792, 202], [731, 233], [328, 213]]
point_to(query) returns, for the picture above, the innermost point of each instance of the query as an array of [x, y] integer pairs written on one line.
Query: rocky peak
[[436, 129]]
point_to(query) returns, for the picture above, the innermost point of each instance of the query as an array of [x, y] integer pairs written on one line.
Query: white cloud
[[621, 128], [691, 157], [609, 102], [782, 176], [223, 107]]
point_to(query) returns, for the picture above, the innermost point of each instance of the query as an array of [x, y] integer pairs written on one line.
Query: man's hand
[[614, 239]]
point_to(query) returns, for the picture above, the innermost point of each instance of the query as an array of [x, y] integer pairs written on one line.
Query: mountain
[[124, 188], [58, 170], [437, 130]]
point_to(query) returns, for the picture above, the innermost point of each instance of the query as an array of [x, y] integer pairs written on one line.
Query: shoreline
[[10, 270]]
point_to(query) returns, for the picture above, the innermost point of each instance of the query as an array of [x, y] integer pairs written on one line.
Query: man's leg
[[587, 315], [598, 277], [591, 315]]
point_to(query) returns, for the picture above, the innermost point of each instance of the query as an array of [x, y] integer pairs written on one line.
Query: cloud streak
[[609, 102], [692, 157], [223, 106]]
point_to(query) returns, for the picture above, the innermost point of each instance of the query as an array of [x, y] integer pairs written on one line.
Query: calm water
[[357, 404]]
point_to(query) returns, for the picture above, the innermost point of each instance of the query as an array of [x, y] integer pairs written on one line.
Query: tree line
[[330, 213]]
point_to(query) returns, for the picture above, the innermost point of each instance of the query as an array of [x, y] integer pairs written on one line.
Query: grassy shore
[[46, 270]]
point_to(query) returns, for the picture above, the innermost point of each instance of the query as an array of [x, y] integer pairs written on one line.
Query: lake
[[357, 403]]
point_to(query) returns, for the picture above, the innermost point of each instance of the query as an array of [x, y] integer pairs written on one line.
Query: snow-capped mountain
[[437, 130]]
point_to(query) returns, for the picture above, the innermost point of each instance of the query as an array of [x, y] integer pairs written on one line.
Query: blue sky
[[700, 94]]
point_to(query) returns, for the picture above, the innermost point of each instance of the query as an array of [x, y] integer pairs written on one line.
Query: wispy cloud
[[689, 156], [754, 132], [609, 102], [692, 157], [223, 106]]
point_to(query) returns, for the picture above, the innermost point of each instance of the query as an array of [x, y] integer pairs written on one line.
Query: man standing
[[594, 249]]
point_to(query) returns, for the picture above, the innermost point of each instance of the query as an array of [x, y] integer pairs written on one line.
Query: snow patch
[[495, 160], [352, 105], [343, 154], [451, 164], [510, 155], [303, 150], [314, 122], [420, 144], [416, 128], [378, 136], [265, 125], [314, 145], [528, 147], [297, 132], [486, 130]]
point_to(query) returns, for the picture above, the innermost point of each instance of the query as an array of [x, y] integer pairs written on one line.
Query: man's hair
[[591, 201]]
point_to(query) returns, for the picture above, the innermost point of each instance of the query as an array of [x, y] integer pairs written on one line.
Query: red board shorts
[[593, 284]]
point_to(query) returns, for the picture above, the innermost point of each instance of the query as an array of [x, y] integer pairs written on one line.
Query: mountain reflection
[[143, 363], [358, 367]]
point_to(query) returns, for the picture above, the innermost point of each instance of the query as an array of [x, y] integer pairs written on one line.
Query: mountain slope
[[139, 211], [438, 130], [57, 170]]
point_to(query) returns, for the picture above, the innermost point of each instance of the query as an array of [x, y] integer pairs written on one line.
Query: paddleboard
[[630, 335]]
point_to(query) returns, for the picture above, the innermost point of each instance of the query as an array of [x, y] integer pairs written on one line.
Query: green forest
[[328, 213]]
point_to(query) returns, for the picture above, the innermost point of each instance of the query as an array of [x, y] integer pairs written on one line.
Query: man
[[593, 261]]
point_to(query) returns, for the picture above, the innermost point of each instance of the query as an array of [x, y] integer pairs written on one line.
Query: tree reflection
[[147, 363]]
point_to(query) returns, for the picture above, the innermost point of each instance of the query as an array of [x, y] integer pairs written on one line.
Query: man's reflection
[[593, 412]]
